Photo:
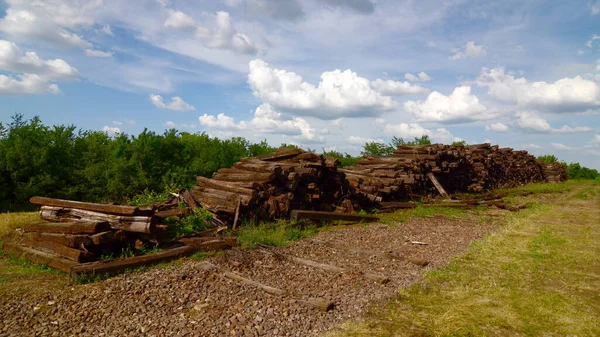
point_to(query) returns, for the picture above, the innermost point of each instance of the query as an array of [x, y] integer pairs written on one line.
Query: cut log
[[281, 154], [391, 205], [65, 252], [69, 240], [437, 185], [172, 212], [237, 215], [38, 256], [331, 216], [140, 224], [250, 176], [104, 208], [118, 265], [66, 227], [207, 244], [227, 186]]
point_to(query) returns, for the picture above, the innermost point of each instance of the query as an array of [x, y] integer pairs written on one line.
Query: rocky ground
[[185, 300]]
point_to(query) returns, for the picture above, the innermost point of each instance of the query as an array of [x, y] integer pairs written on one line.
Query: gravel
[[185, 300]]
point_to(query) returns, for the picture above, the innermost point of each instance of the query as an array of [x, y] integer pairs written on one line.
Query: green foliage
[[423, 140], [345, 159], [197, 222], [576, 171], [548, 159], [273, 234], [461, 143], [381, 149], [149, 198]]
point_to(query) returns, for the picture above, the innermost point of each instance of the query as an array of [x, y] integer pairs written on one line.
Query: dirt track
[[184, 300]]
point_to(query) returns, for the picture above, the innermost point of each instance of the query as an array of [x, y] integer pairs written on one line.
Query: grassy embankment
[[539, 275]]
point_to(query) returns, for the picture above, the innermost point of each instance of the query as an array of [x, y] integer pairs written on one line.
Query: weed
[[149, 198], [273, 233], [181, 226]]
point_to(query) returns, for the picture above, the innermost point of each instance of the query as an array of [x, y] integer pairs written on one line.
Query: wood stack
[[554, 172], [422, 170], [270, 186]]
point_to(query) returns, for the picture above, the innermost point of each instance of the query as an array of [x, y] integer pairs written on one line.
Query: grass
[[10, 221], [420, 211], [537, 276], [278, 233]]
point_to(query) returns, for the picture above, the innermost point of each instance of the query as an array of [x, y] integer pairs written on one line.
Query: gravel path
[[185, 300]]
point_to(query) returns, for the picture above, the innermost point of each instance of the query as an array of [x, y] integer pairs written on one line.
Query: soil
[[186, 300]]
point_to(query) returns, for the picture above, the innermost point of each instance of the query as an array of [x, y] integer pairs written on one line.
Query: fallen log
[[103, 208], [66, 227], [247, 177], [140, 224], [38, 256], [206, 244], [65, 252], [227, 186], [437, 185], [331, 216], [391, 205], [69, 240]]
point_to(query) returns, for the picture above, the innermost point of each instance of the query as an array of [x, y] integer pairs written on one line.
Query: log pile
[[73, 236], [554, 172], [422, 170], [271, 186]]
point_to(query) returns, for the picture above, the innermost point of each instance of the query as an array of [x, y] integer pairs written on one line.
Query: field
[[492, 273]]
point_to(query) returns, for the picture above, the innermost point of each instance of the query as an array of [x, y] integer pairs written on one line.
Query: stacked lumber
[[73, 235], [271, 186], [554, 172], [437, 168]]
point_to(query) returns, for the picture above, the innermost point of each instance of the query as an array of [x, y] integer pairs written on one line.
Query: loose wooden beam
[[227, 186], [104, 208], [65, 252], [38, 256], [437, 185], [69, 240], [331, 216], [66, 227], [317, 303], [140, 224]]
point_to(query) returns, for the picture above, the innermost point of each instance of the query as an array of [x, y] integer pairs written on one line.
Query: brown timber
[[67, 227], [104, 208]]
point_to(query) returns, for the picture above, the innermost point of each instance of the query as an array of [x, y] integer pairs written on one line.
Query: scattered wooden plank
[[172, 212], [437, 185], [104, 208], [38, 256], [65, 252], [69, 240], [139, 224], [331, 216], [66, 227], [207, 244], [227, 186], [237, 214], [390, 205]]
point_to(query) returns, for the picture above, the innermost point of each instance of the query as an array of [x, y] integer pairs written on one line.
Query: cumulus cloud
[[266, 120], [111, 130], [98, 53], [170, 124], [470, 50], [360, 6], [420, 77], [49, 21], [357, 140], [413, 130], [560, 146], [26, 84], [397, 88], [176, 104], [338, 94], [531, 121], [117, 123], [107, 30], [179, 20], [595, 8], [459, 106], [532, 146], [496, 127], [567, 94]]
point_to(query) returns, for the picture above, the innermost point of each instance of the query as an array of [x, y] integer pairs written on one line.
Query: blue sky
[[329, 74]]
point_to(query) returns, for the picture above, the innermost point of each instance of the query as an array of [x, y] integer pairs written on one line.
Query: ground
[[490, 273]]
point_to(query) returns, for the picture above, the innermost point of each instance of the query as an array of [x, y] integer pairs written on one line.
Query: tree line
[[62, 161]]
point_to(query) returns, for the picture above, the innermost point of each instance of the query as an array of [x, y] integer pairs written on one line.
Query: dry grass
[[10, 221], [538, 276]]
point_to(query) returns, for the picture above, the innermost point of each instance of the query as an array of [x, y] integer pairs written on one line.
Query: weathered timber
[[66, 227], [211, 232], [281, 154], [250, 176], [390, 205], [394, 256], [189, 200], [118, 265], [331, 216], [237, 215], [172, 212], [38, 256], [227, 186], [206, 244], [140, 224], [317, 303], [437, 185], [104, 208], [106, 237], [223, 195], [69, 240], [61, 251], [449, 205]]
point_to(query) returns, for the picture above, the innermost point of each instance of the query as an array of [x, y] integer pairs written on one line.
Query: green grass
[[537, 276], [420, 211], [278, 233]]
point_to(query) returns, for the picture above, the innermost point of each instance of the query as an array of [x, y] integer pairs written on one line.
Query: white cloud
[[129, 121], [496, 127], [560, 146], [594, 142], [357, 140], [339, 94], [111, 130], [532, 121], [470, 50], [397, 88], [420, 77], [176, 104], [49, 21], [459, 106], [580, 52], [98, 53], [412, 130], [14, 60], [179, 20], [170, 124], [221, 122], [107, 30], [567, 94], [595, 8], [26, 84], [117, 123], [532, 146]]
